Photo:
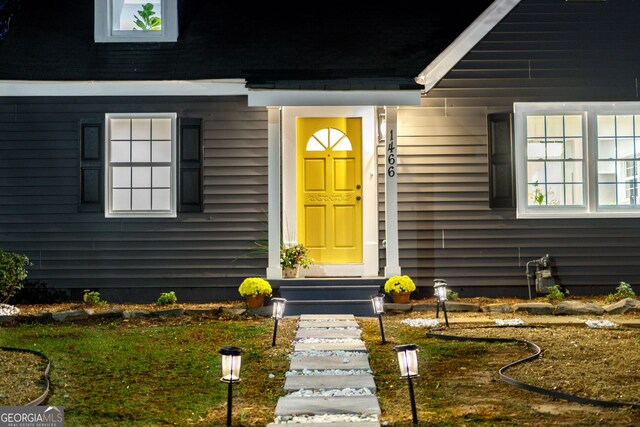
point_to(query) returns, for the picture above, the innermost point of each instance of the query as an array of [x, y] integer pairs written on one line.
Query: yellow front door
[[330, 188]]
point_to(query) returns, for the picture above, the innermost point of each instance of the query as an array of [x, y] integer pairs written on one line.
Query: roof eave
[[479, 28]]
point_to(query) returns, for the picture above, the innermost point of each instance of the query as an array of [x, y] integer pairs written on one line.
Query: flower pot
[[290, 272], [400, 297], [255, 301]]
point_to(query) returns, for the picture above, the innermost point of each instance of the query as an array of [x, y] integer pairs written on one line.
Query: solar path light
[[408, 362], [378, 308], [440, 291], [230, 365], [278, 313]]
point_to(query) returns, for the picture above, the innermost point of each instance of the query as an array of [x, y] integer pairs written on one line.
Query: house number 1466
[[391, 155]]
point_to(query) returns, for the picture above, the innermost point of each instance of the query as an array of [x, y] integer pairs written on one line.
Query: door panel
[[345, 221], [314, 179], [315, 227], [329, 168]]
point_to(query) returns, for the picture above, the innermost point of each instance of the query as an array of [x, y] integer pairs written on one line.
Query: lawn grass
[[159, 372]]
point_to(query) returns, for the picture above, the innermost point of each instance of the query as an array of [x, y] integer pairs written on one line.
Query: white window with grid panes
[[141, 165], [577, 159], [135, 21]]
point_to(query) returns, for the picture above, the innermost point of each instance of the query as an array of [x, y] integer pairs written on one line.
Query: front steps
[[328, 296]]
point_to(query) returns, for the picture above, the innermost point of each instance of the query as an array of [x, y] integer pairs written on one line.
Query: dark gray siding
[[202, 256], [545, 50]]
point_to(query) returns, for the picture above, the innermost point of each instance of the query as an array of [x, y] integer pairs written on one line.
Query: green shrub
[[12, 273], [556, 293], [92, 298], [452, 296], [623, 291], [167, 298]]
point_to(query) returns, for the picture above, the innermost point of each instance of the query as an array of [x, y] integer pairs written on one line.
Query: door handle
[[358, 197], [358, 187]]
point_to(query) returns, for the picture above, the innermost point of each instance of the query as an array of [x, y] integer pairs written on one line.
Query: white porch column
[[274, 271], [391, 193]]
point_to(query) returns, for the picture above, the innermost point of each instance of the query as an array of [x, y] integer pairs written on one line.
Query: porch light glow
[[382, 128], [408, 362]]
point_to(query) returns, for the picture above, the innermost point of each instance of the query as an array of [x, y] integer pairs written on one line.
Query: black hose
[[44, 395], [538, 352]]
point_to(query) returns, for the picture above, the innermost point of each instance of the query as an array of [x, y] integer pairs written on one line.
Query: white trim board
[[318, 98], [370, 256], [228, 87], [479, 28]]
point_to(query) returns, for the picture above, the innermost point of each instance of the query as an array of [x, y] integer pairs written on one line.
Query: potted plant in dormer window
[[400, 288], [255, 289], [292, 258]]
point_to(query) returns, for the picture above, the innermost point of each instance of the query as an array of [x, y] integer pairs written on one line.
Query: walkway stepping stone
[[353, 424], [327, 317], [299, 363], [327, 324], [327, 382], [330, 346], [327, 333], [365, 405]]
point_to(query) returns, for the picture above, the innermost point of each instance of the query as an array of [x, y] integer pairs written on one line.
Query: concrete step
[[323, 333], [360, 424], [365, 405], [299, 363], [327, 382], [328, 324], [324, 292], [331, 346], [327, 317], [357, 307]]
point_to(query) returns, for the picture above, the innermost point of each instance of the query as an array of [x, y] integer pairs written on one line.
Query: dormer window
[[136, 21]]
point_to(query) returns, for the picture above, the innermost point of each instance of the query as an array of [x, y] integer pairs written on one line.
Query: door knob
[[358, 197], [358, 187]]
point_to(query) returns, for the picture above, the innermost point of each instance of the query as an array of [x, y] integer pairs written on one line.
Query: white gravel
[[430, 323], [321, 340], [329, 372], [346, 328], [332, 392], [509, 322], [323, 353], [601, 324], [8, 310], [325, 419]]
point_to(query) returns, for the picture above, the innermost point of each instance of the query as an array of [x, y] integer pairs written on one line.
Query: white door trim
[[369, 266]]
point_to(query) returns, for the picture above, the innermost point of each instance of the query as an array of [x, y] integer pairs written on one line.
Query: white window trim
[[174, 166], [104, 34], [589, 110]]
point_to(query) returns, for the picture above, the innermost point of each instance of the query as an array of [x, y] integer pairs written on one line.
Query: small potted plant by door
[[400, 288], [292, 258], [255, 289]]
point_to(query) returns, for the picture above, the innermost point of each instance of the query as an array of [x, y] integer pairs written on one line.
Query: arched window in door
[[329, 138]]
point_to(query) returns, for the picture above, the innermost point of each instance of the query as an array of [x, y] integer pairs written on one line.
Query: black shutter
[[91, 153], [191, 160], [501, 172]]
